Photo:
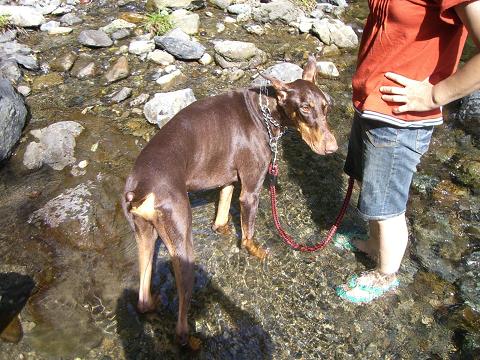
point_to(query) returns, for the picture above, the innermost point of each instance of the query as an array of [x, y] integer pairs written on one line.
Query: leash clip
[[273, 173]]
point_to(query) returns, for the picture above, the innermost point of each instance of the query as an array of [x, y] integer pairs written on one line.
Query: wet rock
[[13, 114], [64, 62], [470, 282], [282, 11], [23, 16], [24, 90], [305, 24], [330, 9], [186, 20], [116, 25], [333, 31], [161, 57], [162, 4], [120, 95], [61, 30], [327, 68], [163, 106], [255, 29], [221, 4], [139, 47], [206, 59], [9, 70], [49, 25], [118, 71], [469, 172], [220, 27], [70, 19], [331, 50], [20, 53], [45, 81], [287, 72], [468, 114], [121, 34], [238, 54], [56, 146], [140, 100], [173, 78], [132, 17], [94, 38], [181, 49], [84, 67], [424, 184], [234, 74], [8, 35], [176, 33], [238, 9]]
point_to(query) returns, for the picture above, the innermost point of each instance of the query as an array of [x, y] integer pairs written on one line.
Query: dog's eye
[[305, 109]]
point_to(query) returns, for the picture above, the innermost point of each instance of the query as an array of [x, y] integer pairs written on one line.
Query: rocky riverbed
[[84, 86]]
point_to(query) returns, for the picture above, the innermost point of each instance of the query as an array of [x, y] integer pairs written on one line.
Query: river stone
[[162, 4], [118, 24], [13, 114], [238, 9], [282, 11], [94, 38], [61, 30], [121, 34], [9, 70], [139, 47], [24, 90], [20, 53], [470, 281], [163, 106], [287, 72], [221, 4], [176, 33], [70, 19], [468, 114], [8, 35], [49, 25], [161, 57], [45, 81], [139, 100], [327, 68], [171, 79], [206, 59], [118, 71], [23, 16], [235, 50], [182, 49], [333, 31], [64, 62], [56, 146], [255, 29], [84, 67], [186, 20], [120, 95]]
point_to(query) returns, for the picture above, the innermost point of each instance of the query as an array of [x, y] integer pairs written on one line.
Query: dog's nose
[[330, 144]]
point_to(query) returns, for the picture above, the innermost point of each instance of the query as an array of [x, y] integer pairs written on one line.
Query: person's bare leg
[[393, 238], [371, 246]]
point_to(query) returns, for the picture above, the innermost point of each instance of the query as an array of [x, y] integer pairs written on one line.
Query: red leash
[[273, 172]]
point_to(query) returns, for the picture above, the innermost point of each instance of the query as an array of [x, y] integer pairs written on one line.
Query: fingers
[[402, 80], [393, 90], [401, 109], [395, 98]]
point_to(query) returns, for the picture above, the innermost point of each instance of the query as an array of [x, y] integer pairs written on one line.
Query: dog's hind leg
[[175, 228], [221, 221], [145, 235]]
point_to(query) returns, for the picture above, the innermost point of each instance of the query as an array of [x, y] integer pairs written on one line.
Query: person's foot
[[367, 286], [365, 247]]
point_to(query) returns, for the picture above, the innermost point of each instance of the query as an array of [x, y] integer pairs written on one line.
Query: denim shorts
[[383, 158]]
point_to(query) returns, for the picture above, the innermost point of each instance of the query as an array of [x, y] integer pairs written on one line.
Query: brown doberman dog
[[212, 143]]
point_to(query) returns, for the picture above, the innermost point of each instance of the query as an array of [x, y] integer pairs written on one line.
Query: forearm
[[463, 82]]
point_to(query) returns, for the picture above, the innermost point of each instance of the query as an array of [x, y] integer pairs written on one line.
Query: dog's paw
[[254, 249], [222, 229], [148, 306]]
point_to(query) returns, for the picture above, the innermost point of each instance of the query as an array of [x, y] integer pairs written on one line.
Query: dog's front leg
[[248, 210]]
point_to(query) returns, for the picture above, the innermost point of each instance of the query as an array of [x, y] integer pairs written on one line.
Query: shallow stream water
[[83, 301]]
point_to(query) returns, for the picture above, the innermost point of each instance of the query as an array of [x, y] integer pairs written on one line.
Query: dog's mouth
[[321, 143]]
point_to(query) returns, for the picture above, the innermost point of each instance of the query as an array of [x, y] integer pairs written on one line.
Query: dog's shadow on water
[[236, 333]]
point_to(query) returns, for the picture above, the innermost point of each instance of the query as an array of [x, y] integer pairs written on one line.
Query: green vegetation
[[4, 23], [307, 5], [158, 22]]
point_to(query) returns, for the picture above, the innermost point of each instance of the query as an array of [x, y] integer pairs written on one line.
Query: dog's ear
[[310, 69], [279, 86]]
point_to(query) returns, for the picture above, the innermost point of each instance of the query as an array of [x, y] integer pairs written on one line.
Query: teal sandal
[[362, 289], [343, 240]]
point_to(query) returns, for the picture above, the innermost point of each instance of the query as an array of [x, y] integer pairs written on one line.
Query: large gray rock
[[181, 49], [282, 11], [94, 38], [287, 72], [9, 70], [238, 54], [333, 31], [13, 114], [20, 53], [23, 16], [468, 114], [164, 106], [56, 146]]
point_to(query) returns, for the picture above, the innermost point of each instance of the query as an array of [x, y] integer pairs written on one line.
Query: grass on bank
[[158, 22], [5, 23]]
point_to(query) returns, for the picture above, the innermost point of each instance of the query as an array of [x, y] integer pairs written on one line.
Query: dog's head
[[307, 107]]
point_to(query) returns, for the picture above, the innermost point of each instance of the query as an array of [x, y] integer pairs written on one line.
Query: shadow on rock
[[15, 289], [236, 333]]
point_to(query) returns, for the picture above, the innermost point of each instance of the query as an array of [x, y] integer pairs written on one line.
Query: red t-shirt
[[418, 39]]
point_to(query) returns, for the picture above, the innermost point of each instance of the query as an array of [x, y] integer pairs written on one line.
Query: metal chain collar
[[269, 122]]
